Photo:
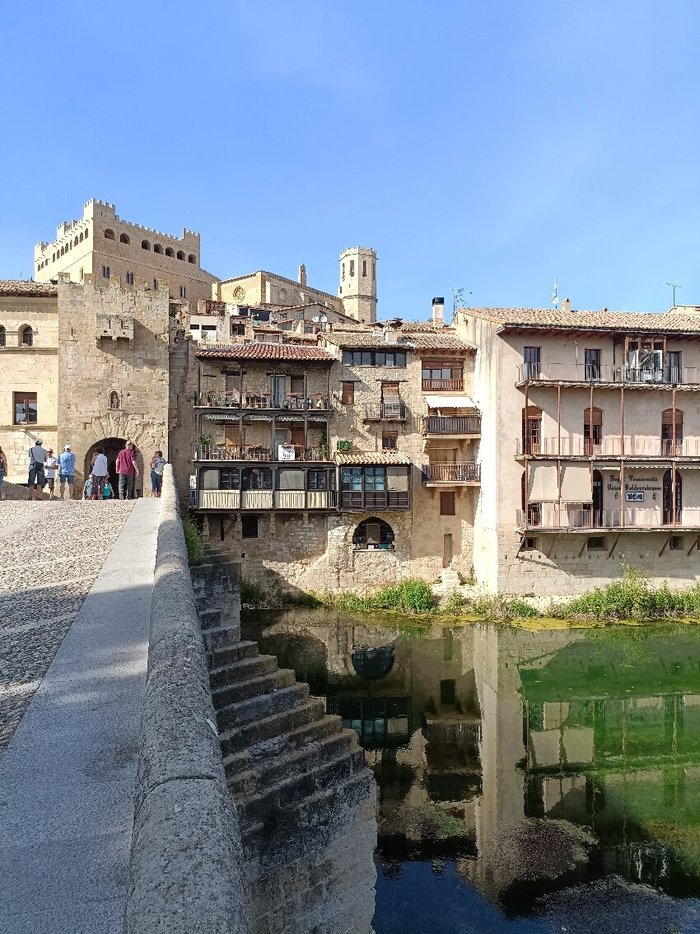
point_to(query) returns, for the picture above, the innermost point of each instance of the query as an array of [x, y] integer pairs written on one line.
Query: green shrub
[[193, 541], [409, 596]]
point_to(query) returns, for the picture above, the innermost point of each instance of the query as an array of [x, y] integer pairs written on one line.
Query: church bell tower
[[358, 283]]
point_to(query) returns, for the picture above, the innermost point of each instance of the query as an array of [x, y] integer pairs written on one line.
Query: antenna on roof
[[555, 294], [674, 286]]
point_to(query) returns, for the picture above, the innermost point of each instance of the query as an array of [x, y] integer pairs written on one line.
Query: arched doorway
[[112, 447]]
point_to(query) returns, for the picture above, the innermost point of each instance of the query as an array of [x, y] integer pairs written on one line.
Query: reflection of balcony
[[385, 412], [609, 446], [464, 425], [547, 517], [451, 474], [608, 373], [267, 499], [213, 452], [442, 385]]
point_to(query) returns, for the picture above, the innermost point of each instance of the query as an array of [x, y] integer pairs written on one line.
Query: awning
[[450, 402], [542, 486], [576, 484]]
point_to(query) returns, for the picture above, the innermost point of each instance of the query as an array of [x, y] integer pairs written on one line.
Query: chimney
[[439, 312], [302, 275], [566, 305]]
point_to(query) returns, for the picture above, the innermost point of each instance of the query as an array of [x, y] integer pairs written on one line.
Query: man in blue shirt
[[66, 470]]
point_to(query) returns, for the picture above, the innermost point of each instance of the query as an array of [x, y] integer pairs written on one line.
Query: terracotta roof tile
[[412, 341], [263, 351], [678, 322], [373, 457], [27, 288]]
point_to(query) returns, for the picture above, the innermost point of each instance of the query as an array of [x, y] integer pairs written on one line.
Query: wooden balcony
[[607, 374], [266, 499], [385, 412], [452, 474], [264, 400], [609, 446], [362, 501], [446, 425], [549, 518], [212, 452], [442, 385]]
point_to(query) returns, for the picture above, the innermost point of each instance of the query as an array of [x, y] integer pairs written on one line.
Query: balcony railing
[[609, 446], [386, 411], [607, 373], [548, 517], [359, 501], [443, 385], [452, 425], [452, 473], [263, 400], [213, 452], [267, 499]]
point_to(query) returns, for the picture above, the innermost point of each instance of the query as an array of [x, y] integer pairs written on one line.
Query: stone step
[[269, 804], [221, 637], [286, 741], [234, 715], [238, 738], [224, 655], [244, 669], [282, 766], [209, 619], [251, 687]]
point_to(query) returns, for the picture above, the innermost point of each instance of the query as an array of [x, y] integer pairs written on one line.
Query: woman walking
[[157, 465], [99, 472]]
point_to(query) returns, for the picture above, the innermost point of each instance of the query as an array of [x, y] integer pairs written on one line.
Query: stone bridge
[[156, 772]]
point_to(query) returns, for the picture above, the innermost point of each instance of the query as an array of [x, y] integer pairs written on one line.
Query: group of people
[[43, 466]]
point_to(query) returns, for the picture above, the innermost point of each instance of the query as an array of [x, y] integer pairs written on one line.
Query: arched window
[[180, 254], [124, 238], [80, 238], [373, 533], [671, 432], [364, 268], [352, 267], [373, 662], [191, 258], [114, 402], [145, 245], [26, 336], [109, 234], [592, 431], [532, 430], [62, 251], [3, 336], [157, 248], [76, 241], [169, 251], [53, 258]]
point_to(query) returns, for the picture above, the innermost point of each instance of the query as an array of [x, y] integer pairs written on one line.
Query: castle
[[527, 450]]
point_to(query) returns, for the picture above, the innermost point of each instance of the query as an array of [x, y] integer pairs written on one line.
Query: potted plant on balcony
[[323, 448], [344, 444]]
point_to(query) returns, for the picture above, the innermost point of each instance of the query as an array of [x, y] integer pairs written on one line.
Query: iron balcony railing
[[442, 385], [214, 452], [608, 373], [385, 411], [550, 517], [263, 400], [452, 425], [608, 446], [452, 473]]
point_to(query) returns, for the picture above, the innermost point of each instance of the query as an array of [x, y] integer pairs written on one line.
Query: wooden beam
[[551, 549], [694, 544], [612, 550], [583, 547], [665, 545]]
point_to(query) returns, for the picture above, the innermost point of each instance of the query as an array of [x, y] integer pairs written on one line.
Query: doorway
[[112, 447]]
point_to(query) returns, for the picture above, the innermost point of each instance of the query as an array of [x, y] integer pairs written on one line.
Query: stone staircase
[[298, 780]]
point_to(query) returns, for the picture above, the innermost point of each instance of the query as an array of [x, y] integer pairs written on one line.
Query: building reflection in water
[[533, 762]]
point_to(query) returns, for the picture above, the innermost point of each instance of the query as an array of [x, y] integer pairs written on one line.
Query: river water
[[528, 781]]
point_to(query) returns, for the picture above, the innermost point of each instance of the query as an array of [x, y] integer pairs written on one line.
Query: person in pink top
[[128, 470]]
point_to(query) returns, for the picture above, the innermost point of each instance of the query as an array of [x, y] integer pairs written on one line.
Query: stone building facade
[[104, 246]]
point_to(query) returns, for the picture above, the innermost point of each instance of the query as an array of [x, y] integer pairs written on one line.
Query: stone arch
[[373, 532], [145, 245], [124, 238], [169, 251], [373, 662], [157, 248], [109, 234], [112, 447], [26, 336], [191, 258], [180, 254]]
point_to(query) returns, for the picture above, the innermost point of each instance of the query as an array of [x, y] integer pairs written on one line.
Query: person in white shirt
[[50, 466], [99, 472]]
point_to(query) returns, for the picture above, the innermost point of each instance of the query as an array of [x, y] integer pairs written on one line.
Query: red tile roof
[[264, 351], [542, 318], [27, 288]]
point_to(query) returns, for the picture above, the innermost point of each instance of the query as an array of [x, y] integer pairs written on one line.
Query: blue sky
[[489, 146]]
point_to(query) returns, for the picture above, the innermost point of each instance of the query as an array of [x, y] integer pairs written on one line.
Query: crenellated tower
[[358, 283]]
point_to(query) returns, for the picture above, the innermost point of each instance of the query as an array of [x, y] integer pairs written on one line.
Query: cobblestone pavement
[[50, 555]]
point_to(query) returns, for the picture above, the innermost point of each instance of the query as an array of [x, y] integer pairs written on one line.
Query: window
[[447, 504], [25, 407], [75, 242], [109, 234], [343, 272], [129, 278], [317, 480], [364, 268], [596, 543], [374, 357], [531, 359], [530, 543], [180, 254], [229, 478], [348, 397], [671, 432], [183, 291], [592, 430], [532, 430], [676, 543], [123, 238], [26, 337], [157, 248], [390, 440], [169, 251], [3, 336], [296, 385], [592, 363], [249, 526], [105, 272], [191, 258], [256, 478], [145, 245], [673, 371], [375, 479], [155, 287], [373, 533], [352, 268]]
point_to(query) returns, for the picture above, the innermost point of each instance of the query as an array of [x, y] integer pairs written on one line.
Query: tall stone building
[[103, 245]]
